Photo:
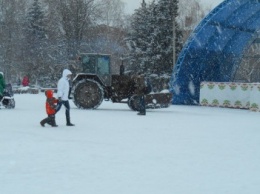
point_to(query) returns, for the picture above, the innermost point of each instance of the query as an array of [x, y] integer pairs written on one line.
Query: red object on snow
[[25, 81]]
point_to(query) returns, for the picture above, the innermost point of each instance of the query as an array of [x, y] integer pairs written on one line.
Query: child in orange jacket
[[51, 103]]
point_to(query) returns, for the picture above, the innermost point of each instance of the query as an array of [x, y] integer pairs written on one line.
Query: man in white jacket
[[63, 94]]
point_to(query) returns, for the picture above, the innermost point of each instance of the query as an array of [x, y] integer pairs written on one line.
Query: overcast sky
[[131, 5]]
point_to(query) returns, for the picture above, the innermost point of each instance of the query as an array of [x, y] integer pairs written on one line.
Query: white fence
[[231, 95]]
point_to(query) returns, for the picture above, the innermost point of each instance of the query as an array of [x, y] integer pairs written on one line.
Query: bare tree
[[107, 37], [112, 12], [190, 16], [76, 16], [249, 68], [71, 26], [11, 36]]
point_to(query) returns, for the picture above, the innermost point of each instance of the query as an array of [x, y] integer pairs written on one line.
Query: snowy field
[[111, 150]]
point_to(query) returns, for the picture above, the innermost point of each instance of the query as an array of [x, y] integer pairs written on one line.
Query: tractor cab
[[97, 64]]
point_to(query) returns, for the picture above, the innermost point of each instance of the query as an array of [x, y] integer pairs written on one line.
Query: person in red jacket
[[51, 103], [25, 81]]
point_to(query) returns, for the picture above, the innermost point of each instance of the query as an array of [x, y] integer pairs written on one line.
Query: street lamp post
[[173, 39]]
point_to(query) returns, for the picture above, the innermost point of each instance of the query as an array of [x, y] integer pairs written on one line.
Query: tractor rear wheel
[[87, 94]]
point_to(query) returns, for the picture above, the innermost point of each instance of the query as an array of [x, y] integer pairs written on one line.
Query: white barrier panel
[[225, 94], [255, 97]]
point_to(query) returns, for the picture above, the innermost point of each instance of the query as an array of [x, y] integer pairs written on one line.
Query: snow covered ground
[[111, 150]]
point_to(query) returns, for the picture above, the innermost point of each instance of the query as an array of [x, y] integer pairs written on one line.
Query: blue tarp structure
[[214, 50]]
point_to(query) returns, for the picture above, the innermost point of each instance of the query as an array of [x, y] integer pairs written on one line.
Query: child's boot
[[53, 122], [44, 121]]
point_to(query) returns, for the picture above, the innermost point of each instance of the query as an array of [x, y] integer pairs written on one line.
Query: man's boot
[[68, 122], [142, 110]]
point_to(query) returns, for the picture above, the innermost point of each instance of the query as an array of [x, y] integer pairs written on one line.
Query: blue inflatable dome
[[214, 50]]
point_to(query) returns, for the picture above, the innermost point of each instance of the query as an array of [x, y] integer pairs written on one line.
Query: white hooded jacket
[[63, 85]]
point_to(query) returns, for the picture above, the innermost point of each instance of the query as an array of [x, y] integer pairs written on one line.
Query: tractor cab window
[[88, 64], [103, 65]]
